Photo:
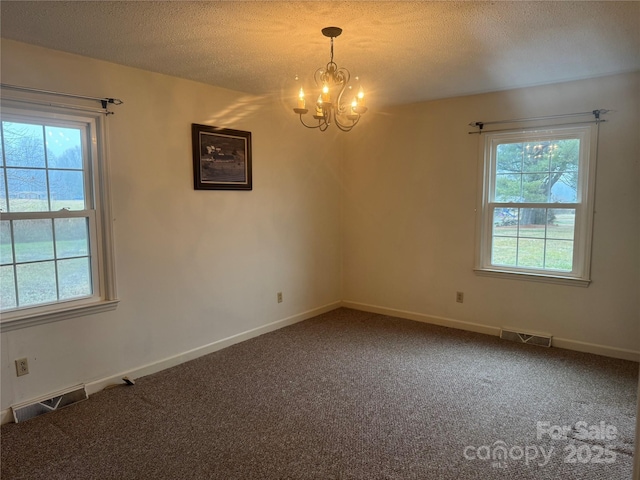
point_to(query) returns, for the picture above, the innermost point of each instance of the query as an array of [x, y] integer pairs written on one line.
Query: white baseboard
[[421, 317], [95, 386], [565, 343], [614, 352]]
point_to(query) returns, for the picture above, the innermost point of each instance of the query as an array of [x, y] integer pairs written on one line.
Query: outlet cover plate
[[22, 367]]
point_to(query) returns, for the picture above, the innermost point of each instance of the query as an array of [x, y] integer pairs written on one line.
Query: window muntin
[[546, 244], [49, 254], [535, 212], [545, 171]]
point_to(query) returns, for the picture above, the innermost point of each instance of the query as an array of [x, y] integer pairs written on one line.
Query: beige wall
[[409, 219], [382, 217], [193, 267]]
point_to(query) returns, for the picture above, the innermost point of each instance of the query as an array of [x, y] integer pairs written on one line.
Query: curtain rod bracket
[[106, 101]]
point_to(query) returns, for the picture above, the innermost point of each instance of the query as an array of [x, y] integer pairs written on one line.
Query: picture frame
[[221, 158]]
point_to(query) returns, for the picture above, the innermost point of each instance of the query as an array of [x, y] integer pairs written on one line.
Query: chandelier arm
[[328, 113], [320, 123], [344, 127], [342, 76], [318, 76]]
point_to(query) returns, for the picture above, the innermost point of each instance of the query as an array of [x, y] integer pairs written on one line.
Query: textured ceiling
[[403, 52]]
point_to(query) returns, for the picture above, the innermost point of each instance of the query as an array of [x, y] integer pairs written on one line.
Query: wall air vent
[[522, 337], [33, 408]]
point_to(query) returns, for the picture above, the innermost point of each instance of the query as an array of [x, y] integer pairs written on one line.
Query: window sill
[[559, 280], [31, 320]]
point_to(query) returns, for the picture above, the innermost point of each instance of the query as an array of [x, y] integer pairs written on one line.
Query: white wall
[[193, 267], [409, 219]]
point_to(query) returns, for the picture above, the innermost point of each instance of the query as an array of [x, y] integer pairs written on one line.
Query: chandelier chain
[[331, 50]]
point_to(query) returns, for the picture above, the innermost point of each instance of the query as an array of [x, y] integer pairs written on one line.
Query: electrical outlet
[[460, 297], [279, 297], [22, 367]]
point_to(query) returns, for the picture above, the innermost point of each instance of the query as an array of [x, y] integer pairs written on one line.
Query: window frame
[[97, 211], [584, 204]]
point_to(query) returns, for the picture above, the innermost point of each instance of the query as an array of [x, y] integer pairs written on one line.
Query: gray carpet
[[346, 395]]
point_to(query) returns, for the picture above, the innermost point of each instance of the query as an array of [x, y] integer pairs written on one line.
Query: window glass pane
[[33, 240], [36, 283], [7, 288], [27, 190], [509, 158], [564, 170], [67, 189], [74, 278], [6, 252], [505, 222], [72, 237], [508, 188], [23, 144], [529, 250], [3, 192], [64, 147], [562, 223], [564, 187], [504, 251], [533, 222], [530, 253], [566, 155], [536, 157], [535, 187], [559, 255]]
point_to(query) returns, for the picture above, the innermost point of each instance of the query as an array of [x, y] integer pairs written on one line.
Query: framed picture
[[221, 158]]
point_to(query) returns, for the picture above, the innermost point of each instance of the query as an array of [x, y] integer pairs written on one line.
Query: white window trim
[[581, 276], [105, 295]]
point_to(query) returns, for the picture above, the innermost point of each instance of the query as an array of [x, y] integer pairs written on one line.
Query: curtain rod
[[479, 132], [595, 113], [104, 101]]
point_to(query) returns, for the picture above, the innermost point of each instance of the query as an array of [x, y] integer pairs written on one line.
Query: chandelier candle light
[[329, 107]]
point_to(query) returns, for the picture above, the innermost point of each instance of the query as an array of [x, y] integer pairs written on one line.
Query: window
[[55, 258], [536, 209]]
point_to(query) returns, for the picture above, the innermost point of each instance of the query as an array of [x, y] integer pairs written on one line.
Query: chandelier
[[329, 107]]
